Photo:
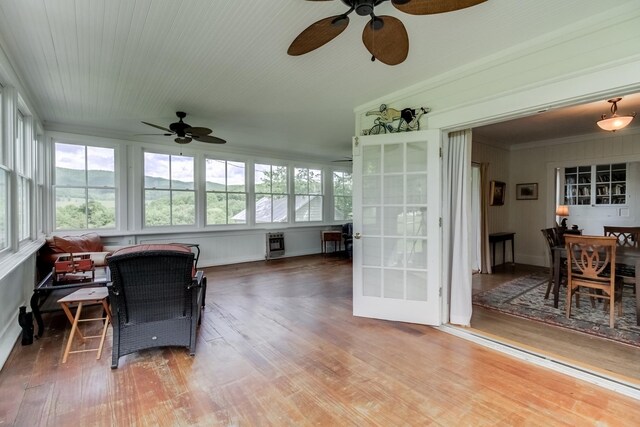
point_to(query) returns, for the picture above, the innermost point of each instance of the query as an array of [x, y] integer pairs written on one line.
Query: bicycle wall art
[[390, 120]]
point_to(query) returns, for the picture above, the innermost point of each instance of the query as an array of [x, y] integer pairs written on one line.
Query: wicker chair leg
[[115, 350]]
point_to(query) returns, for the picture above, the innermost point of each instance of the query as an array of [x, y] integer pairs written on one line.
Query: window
[[308, 192], [23, 169], [226, 192], [169, 190], [4, 216], [271, 193], [4, 189], [341, 196], [84, 189]]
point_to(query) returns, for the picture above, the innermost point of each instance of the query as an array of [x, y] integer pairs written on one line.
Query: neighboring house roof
[[305, 208]]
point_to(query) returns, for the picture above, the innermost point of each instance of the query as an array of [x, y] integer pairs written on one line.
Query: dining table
[[624, 255]]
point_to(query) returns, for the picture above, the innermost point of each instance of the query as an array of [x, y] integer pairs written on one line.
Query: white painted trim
[[545, 361], [11, 261], [8, 339]]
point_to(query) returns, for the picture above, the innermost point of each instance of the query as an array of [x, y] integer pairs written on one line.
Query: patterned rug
[[524, 297]]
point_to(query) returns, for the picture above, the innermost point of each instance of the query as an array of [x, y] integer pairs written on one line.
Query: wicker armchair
[[155, 297]]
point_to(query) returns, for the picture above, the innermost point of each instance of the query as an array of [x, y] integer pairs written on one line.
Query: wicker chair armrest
[[112, 289], [197, 280]]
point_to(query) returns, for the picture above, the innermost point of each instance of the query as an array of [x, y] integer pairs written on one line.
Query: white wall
[[15, 290], [498, 218], [231, 247], [537, 164]]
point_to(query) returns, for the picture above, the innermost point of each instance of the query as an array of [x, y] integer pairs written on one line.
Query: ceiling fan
[[384, 36], [344, 160], [185, 133]]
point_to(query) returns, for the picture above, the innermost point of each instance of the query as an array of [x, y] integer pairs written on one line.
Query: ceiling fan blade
[[428, 7], [388, 44], [209, 138], [159, 127], [198, 131], [318, 34], [184, 140]]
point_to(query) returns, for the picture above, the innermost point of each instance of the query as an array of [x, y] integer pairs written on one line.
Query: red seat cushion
[[175, 247]]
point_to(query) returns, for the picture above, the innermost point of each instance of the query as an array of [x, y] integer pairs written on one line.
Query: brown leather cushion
[[85, 243]]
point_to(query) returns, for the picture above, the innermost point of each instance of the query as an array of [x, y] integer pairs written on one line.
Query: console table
[[331, 236], [503, 237]]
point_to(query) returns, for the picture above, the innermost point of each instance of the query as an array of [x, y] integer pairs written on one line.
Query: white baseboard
[[8, 339]]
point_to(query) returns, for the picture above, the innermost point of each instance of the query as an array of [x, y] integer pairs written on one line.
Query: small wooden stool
[[87, 296]]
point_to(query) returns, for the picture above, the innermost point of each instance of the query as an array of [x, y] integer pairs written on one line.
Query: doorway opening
[[527, 218]]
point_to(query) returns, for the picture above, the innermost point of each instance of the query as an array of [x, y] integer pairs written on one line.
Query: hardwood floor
[[279, 346], [613, 359]]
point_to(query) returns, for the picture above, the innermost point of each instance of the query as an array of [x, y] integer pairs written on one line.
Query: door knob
[[356, 236]]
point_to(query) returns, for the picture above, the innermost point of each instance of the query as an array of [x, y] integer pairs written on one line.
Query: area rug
[[524, 297]]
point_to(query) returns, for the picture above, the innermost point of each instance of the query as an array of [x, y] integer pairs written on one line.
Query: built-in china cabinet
[[596, 185]]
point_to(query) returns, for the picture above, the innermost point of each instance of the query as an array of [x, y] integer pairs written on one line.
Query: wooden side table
[[331, 236], [86, 296], [502, 237]]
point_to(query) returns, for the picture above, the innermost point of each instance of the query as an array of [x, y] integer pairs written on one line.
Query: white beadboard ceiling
[[102, 66]]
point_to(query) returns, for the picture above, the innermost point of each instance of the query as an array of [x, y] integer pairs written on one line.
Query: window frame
[[256, 194], [226, 192], [297, 192], [86, 144], [171, 190], [348, 217]]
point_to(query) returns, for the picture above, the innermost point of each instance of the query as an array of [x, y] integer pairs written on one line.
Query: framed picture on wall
[[527, 191], [496, 193]]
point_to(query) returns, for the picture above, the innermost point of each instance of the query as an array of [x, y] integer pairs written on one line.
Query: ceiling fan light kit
[[385, 37], [615, 122], [185, 133]]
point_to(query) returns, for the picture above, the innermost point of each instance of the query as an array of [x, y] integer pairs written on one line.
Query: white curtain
[[476, 220], [457, 210], [484, 219]]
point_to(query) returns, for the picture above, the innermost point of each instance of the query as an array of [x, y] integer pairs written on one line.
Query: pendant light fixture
[[615, 122]]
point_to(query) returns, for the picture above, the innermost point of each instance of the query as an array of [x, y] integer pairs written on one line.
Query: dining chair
[[627, 237], [552, 238], [591, 264]]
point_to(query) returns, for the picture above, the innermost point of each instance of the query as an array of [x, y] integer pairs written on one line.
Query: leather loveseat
[[57, 246]]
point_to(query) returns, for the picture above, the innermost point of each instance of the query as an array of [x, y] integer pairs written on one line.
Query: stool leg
[[107, 320], [74, 327], [104, 334]]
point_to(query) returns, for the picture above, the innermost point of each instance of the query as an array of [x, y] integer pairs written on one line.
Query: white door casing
[[397, 235]]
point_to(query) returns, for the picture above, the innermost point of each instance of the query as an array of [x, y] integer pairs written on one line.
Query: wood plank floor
[[614, 359], [279, 346]]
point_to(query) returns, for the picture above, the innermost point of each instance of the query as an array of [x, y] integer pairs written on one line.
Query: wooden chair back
[[552, 238], [627, 236], [591, 264]]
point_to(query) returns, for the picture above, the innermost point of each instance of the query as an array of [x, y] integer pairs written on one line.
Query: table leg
[[638, 291], [35, 309], [504, 252], [513, 253], [556, 279], [493, 258]]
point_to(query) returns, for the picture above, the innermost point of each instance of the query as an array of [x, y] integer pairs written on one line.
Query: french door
[[397, 234]]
